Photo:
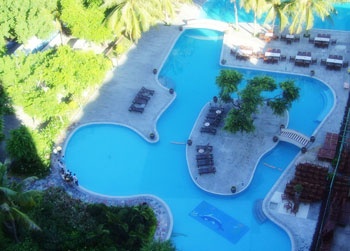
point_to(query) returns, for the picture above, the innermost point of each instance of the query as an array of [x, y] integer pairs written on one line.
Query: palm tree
[[12, 197], [276, 10], [302, 13], [132, 17], [257, 6]]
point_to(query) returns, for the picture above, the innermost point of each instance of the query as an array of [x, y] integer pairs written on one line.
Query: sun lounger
[[205, 170], [204, 156], [144, 96], [144, 90], [205, 162], [213, 122], [213, 115], [207, 129], [204, 148], [139, 100], [134, 108], [216, 108]]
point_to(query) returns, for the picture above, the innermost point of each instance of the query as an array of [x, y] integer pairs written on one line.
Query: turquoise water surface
[[122, 163]]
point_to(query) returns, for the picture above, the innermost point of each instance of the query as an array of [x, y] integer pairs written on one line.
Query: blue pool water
[[114, 160], [223, 10]]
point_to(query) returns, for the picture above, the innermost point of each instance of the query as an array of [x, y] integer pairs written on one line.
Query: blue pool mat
[[219, 222]]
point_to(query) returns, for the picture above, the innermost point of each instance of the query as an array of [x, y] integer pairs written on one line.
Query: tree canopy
[[85, 20], [50, 86], [240, 117], [21, 20]]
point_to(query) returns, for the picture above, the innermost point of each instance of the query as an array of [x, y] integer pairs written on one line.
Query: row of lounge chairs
[[205, 159], [141, 99], [212, 120]]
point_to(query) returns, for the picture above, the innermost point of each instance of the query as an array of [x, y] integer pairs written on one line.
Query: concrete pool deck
[[134, 70]]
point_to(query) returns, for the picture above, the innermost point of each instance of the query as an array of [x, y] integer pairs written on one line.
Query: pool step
[[258, 211], [294, 137]]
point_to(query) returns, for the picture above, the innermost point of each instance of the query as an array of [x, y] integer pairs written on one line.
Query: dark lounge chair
[[134, 108], [205, 162], [144, 90], [204, 156], [207, 129], [205, 170], [204, 148], [216, 108], [139, 100]]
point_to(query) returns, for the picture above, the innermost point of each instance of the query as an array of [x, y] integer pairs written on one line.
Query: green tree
[[131, 18], [12, 199], [276, 10], [257, 6], [21, 20], [302, 13], [85, 20], [23, 153], [228, 82], [249, 99]]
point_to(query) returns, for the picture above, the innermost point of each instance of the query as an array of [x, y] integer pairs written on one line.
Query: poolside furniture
[[204, 156], [208, 129], [134, 108], [290, 38], [334, 62], [273, 53], [206, 170], [205, 162], [204, 148], [146, 91], [303, 59], [322, 40], [216, 109], [213, 115], [296, 38], [245, 52], [328, 150], [139, 100]]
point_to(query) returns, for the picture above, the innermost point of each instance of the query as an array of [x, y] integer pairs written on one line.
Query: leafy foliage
[[85, 20], [50, 86], [23, 153], [228, 82], [159, 246], [14, 199], [69, 224], [240, 117], [131, 18], [21, 20]]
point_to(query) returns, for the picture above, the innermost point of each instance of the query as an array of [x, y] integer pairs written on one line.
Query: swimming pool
[[223, 10], [114, 167]]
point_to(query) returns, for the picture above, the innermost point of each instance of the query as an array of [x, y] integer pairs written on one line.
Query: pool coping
[[165, 108]]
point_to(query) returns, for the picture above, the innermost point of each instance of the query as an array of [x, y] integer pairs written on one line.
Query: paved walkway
[[111, 102]]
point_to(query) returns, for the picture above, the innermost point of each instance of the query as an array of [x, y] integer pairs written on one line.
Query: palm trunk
[[236, 13], [11, 226], [255, 24]]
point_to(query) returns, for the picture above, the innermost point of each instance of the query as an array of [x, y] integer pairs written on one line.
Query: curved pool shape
[[114, 160]]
